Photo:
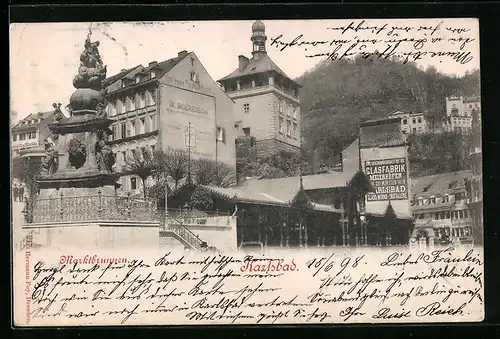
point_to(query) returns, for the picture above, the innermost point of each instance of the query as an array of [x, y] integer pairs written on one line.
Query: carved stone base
[[71, 176], [54, 193]]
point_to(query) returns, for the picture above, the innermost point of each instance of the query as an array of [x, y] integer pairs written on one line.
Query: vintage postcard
[[246, 172]]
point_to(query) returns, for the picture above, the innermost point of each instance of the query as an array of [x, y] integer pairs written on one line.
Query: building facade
[[462, 106], [412, 123], [457, 124], [439, 206], [30, 132], [267, 104], [171, 104]]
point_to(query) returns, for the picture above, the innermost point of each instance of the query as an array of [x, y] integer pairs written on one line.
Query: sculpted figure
[[58, 114], [51, 160], [104, 155], [91, 72], [101, 106]]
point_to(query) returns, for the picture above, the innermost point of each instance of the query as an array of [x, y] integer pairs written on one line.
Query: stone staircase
[[176, 229]]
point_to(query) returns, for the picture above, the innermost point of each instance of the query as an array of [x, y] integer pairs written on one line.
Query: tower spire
[[258, 39]]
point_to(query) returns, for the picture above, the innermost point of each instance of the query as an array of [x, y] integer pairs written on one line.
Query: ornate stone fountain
[[78, 159]]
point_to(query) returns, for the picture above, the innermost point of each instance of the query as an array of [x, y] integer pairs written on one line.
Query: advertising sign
[[190, 122], [389, 179]]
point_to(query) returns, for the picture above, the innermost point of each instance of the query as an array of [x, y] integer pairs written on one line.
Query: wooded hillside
[[337, 95]]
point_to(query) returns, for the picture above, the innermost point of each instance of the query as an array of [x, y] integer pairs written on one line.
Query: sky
[[44, 57]]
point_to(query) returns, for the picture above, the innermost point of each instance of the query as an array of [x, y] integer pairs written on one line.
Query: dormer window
[[420, 201], [153, 74], [446, 198], [137, 79]]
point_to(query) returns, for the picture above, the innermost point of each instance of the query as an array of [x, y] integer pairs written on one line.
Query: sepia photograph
[[246, 172]]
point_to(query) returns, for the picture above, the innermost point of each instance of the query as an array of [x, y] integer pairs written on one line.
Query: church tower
[[267, 105]]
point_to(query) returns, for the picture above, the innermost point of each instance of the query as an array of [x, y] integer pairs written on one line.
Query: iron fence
[[92, 207]]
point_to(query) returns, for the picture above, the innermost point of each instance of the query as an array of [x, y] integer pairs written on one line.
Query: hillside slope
[[337, 95]]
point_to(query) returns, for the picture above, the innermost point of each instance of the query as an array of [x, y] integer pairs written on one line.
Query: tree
[[27, 170], [389, 221], [210, 172], [357, 188], [174, 164], [335, 96], [200, 199], [144, 166]]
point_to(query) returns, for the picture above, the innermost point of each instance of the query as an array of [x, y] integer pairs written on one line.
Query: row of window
[[414, 130], [29, 122], [290, 129], [132, 102], [446, 198], [132, 127], [460, 214], [129, 155], [288, 109], [24, 136], [455, 231], [458, 129], [413, 121]]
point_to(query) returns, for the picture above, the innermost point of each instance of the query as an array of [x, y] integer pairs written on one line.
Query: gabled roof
[[263, 64], [39, 115]]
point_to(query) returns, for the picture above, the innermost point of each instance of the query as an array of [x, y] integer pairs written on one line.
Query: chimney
[[182, 54], [153, 63], [242, 62], [123, 70]]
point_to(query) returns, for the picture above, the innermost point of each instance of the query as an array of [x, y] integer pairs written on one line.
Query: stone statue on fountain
[[51, 160], [91, 72], [104, 155], [78, 156]]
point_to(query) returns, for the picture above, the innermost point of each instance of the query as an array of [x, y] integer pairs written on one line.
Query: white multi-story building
[[30, 132], [462, 106], [412, 123], [170, 104]]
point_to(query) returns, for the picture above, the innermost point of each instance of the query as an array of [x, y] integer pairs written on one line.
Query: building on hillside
[[439, 206], [474, 185], [462, 106], [170, 104], [457, 124], [267, 104], [29, 133], [412, 123]]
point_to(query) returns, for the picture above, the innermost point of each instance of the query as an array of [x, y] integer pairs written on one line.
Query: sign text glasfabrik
[[389, 179]]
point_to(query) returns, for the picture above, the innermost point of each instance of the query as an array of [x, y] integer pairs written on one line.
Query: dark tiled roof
[[439, 184], [252, 195], [162, 67], [108, 81], [261, 65], [285, 189], [381, 133]]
